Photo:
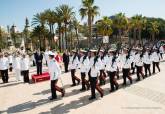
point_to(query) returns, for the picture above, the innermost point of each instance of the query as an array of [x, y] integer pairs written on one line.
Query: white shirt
[[147, 58], [139, 60], [17, 63], [126, 63], [54, 70], [84, 64], [155, 57], [73, 64], [4, 63], [111, 66], [25, 63], [10, 59], [95, 70]]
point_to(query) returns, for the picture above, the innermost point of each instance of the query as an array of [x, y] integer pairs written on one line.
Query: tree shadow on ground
[[65, 108], [26, 106]]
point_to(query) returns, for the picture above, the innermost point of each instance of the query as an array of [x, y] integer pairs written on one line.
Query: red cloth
[[58, 58]]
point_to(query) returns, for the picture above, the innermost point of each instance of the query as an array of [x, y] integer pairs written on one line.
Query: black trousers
[[93, 81], [5, 76], [139, 72], [39, 68], [83, 80], [25, 74], [161, 55], [126, 74], [53, 88], [102, 77], [132, 68], [10, 67], [147, 69], [66, 66], [111, 79], [156, 64]]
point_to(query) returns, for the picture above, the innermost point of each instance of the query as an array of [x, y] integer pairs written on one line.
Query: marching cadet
[[155, 59], [126, 65], [55, 72], [94, 72], [139, 64], [17, 66], [102, 67], [147, 62], [73, 65], [133, 51], [84, 63], [25, 64], [111, 68], [4, 64]]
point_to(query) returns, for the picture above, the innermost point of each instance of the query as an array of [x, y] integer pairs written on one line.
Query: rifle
[[97, 55]]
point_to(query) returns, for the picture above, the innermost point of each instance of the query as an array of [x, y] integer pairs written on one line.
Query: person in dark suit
[[38, 58], [66, 60]]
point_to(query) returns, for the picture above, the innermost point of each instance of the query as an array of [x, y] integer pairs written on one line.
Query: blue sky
[[15, 11]]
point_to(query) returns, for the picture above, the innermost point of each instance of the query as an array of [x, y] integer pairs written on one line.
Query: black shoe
[[53, 98], [117, 87], [63, 92], [78, 82], [73, 85], [92, 98], [112, 90], [124, 84], [137, 80], [82, 89]]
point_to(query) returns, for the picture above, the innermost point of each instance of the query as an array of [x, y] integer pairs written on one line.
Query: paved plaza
[[144, 97]]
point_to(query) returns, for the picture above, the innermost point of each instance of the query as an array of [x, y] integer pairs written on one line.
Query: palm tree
[[104, 26], [139, 23], [76, 26], [39, 19], [66, 13], [89, 10], [50, 18], [120, 22], [153, 29], [59, 20]]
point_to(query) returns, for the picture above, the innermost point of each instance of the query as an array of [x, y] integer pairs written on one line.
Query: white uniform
[[95, 69], [139, 60], [84, 64], [147, 58], [10, 59], [25, 64], [54, 70], [155, 57], [111, 66], [17, 67], [73, 64], [126, 63], [4, 63]]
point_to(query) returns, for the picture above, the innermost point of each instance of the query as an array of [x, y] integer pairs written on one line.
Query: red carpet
[[38, 78]]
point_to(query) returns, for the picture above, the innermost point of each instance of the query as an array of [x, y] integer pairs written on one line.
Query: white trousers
[[18, 74]]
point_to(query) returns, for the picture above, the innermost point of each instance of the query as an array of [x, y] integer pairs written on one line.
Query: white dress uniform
[[155, 57], [10, 59], [4, 63], [139, 60], [17, 67], [83, 64], [54, 70], [147, 58], [73, 64], [25, 64]]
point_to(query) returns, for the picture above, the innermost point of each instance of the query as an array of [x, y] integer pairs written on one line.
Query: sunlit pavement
[[144, 97]]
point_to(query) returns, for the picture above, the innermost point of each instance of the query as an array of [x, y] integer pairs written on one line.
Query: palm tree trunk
[[90, 29], [59, 36], [134, 35], [140, 39], [120, 35], [77, 36], [66, 40]]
